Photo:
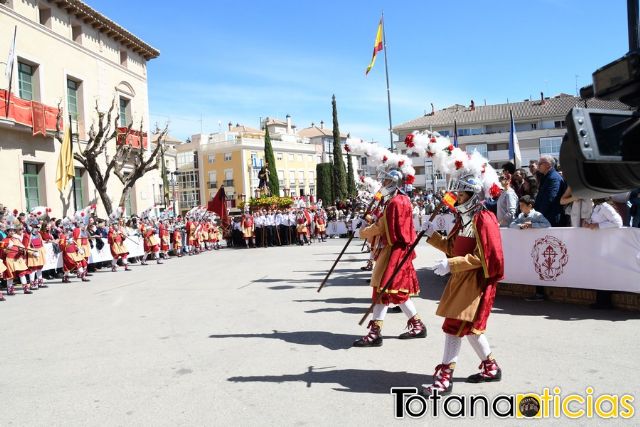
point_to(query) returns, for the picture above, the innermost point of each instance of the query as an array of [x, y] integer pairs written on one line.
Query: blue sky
[[241, 60]]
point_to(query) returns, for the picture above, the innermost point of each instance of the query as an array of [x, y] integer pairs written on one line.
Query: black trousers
[[260, 237], [271, 235], [284, 234]]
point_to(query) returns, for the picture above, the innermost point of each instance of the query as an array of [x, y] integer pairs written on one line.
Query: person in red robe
[[81, 237], [248, 230], [321, 224], [72, 258], [177, 240], [36, 256], [192, 241], [476, 263], [165, 241], [396, 233], [14, 256], [151, 242], [116, 236]]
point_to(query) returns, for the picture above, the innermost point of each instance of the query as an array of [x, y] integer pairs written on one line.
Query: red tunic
[[150, 239], [72, 259], [82, 239], [35, 242], [487, 238], [191, 233], [177, 239], [399, 234], [116, 243], [164, 238], [14, 258]]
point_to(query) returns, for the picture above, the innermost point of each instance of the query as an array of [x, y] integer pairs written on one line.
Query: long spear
[[375, 198], [442, 203]]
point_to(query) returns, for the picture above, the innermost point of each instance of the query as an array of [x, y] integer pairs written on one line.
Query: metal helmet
[[466, 182], [391, 180]]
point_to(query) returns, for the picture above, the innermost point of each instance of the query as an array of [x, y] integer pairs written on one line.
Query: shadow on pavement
[[338, 300], [287, 287], [349, 380], [325, 339], [347, 310], [432, 286]]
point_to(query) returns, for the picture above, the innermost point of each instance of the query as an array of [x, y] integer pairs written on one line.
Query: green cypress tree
[[274, 183], [351, 181], [339, 172], [323, 174]]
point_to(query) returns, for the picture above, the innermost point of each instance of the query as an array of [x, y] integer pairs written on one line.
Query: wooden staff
[[399, 266], [324, 281]]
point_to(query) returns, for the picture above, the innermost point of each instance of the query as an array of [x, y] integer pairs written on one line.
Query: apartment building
[[540, 126], [71, 54]]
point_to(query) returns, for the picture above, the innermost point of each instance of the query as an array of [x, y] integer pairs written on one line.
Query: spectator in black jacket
[[552, 187]]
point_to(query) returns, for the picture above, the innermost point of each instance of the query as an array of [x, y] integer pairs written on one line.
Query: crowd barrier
[[133, 243], [607, 259]]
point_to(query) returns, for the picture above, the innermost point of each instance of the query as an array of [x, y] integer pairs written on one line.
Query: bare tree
[[127, 163]]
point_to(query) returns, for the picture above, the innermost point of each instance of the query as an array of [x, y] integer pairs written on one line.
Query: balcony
[[213, 184], [228, 183], [39, 117]]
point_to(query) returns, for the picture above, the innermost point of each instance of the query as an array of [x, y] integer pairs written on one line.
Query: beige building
[[233, 158], [540, 126], [67, 53]]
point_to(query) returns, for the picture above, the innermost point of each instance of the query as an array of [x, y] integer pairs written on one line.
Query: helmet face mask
[[391, 181], [465, 183]]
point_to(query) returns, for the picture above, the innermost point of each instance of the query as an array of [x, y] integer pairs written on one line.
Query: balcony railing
[[228, 182], [213, 184]]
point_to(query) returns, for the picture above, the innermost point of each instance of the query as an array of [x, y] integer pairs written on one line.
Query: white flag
[[12, 56]]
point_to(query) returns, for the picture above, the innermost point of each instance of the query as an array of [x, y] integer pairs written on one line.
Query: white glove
[[442, 267], [10, 245], [428, 227]]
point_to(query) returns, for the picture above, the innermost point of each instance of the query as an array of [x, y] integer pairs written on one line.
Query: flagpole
[[13, 54], [73, 181], [386, 71]]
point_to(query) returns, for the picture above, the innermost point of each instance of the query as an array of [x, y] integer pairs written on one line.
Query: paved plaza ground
[[241, 337]]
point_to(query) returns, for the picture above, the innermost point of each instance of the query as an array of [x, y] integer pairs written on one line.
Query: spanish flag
[[377, 47], [65, 171], [449, 200]]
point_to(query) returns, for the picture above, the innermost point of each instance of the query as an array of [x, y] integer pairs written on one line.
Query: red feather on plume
[[400, 163], [410, 179], [408, 141], [433, 139], [459, 164], [361, 178], [384, 159], [81, 213], [494, 191], [450, 148], [347, 148]]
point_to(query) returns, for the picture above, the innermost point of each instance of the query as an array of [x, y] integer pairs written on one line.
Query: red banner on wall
[[29, 113], [135, 138], [37, 113]]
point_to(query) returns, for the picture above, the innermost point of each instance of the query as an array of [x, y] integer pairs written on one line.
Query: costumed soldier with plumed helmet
[[474, 259], [116, 237], [395, 230], [72, 254], [34, 240], [14, 255]]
